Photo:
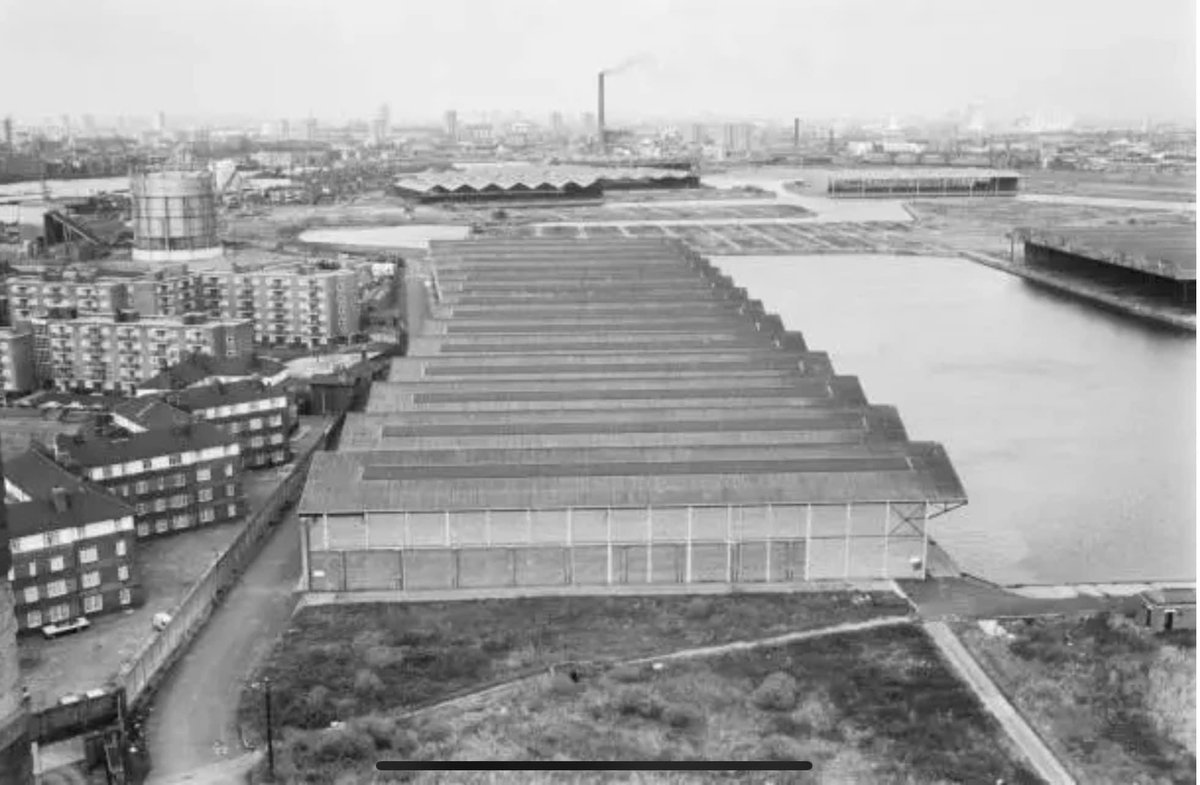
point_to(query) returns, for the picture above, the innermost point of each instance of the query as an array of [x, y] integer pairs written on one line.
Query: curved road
[[193, 719]]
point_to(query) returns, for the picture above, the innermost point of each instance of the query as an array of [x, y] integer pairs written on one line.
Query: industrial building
[[607, 413], [1157, 261], [174, 216], [562, 182], [117, 352], [921, 183], [72, 544]]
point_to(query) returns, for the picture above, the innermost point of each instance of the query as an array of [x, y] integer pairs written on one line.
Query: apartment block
[[259, 416], [169, 291], [72, 544], [31, 296], [114, 353], [175, 478], [17, 371], [301, 304]]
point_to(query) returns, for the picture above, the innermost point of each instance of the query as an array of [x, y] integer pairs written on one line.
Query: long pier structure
[[613, 413]]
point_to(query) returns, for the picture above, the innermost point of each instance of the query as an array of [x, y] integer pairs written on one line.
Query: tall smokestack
[[600, 112], [796, 132]]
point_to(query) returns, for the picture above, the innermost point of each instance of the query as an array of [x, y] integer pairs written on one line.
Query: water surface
[[1073, 429]]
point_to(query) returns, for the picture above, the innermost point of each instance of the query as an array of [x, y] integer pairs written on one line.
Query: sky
[[342, 59]]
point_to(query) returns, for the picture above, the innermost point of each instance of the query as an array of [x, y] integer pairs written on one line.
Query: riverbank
[[1160, 314]]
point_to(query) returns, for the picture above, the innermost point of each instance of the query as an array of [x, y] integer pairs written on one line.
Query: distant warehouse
[[522, 184], [893, 183]]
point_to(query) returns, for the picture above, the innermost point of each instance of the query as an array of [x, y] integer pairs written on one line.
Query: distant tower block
[[174, 217]]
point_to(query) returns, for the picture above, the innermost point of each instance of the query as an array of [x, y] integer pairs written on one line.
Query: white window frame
[[57, 564], [30, 594], [60, 612], [88, 555], [56, 588], [121, 548], [93, 603], [90, 580], [33, 619], [125, 596], [123, 572]]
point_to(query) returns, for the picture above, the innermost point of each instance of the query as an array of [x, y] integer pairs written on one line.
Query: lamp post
[[266, 682]]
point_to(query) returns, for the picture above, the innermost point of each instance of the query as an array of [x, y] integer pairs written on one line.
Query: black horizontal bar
[[618, 765]]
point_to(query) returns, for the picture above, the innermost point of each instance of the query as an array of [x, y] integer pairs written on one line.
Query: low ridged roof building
[[614, 412]]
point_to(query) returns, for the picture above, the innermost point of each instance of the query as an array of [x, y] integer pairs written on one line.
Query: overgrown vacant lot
[[874, 706], [1115, 702], [340, 661]]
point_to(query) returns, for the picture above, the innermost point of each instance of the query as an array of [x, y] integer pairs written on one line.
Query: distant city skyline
[[758, 59]]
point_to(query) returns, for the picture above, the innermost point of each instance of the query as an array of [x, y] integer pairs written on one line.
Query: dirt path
[[476, 699], [1030, 744]]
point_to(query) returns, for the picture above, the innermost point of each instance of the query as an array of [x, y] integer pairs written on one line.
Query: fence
[[157, 654]]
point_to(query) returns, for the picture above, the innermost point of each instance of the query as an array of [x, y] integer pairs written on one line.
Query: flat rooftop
[[613, 373], [1165, 251]]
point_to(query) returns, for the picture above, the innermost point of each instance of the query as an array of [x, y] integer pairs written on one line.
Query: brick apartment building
[[176, 478], [17, 371], [116, 352], [72, 544], [201, 370], [261, 417]]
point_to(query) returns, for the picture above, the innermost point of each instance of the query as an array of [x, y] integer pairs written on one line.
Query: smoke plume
[[628, 63]]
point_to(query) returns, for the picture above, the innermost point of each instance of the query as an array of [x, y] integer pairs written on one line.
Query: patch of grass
[[422, 653], [1113, 700], [876, 706]]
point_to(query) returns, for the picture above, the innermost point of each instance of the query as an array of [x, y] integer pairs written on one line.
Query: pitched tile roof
[[198, 367], [100, 450], [84, 505], [152, 413]]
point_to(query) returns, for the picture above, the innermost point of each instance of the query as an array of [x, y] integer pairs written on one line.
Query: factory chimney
[[8, 134], [796, 132], [600, 113]]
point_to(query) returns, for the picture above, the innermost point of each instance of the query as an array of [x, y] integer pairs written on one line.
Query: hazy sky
[[815, 58]]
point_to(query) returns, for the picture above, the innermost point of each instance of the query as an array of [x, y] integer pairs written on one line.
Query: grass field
[[1114, 702], [344, 660], [867, 707]]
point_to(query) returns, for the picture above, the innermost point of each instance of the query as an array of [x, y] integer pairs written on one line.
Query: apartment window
[[147, 465], [182, 521], [160, 505], [206, 494], [31, 594], [229, 470], [32, 569], [91, 580], [203, 475], [121, 547], [88, 555], [161, 526], [123, 573], [207, 515], [276, 421], [233, 511], [56, 563], [179, 480], [175, 460], [277, 438], [142, 508], [143, 529], [125, 596], [33, 619], [256, 424], [231, 490], [142, 487], [256, 442], [56, 588], [59, 613], [179, 500], [93, 603]]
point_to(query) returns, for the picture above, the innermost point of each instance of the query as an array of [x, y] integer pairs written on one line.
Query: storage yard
[[613, 412]]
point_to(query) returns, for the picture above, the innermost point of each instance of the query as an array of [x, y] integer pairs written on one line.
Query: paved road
[[1030, 744], [193, 720]]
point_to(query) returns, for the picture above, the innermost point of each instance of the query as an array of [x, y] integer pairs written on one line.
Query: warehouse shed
[[608, 413]]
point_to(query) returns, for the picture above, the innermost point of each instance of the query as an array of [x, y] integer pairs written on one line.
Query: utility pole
[[270, 732]]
